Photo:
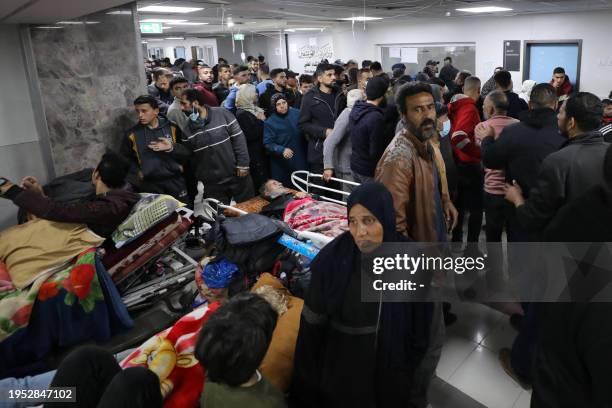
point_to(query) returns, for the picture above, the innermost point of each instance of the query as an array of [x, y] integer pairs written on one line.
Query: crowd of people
[[433, 153]]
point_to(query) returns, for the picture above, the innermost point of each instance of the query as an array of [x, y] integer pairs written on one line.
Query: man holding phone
[[158, 171]]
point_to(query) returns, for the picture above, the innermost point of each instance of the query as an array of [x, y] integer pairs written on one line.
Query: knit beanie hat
[[376, 88]]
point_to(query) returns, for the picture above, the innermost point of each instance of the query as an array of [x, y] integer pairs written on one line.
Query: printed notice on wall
[[312, 41], [395, 52], [409, 55]]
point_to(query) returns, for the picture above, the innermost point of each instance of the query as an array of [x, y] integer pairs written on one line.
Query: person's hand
[[242, 172], [140, 176], [327, 174], [300, 195], [328, 132], [451, 215], [30, 183], [514, 194], [287, 153], [483, 130], [5, 187], [161, 145]]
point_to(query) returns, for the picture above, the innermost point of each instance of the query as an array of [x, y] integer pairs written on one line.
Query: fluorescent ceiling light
[[169, 9], [161, 20], [230, 23], [78, 22], [487, 9], [188, 24], [175, 38], [143, 42], [120, 12], [307, 29], [155, 39], [361, 18], [48, 27]]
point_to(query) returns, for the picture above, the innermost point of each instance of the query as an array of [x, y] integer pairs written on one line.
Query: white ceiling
[[263, 16]]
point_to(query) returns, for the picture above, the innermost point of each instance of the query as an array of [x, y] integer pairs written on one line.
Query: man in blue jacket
[[367, 130]]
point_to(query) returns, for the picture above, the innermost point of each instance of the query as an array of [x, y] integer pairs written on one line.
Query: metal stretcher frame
[[296, 180], [317, 239]]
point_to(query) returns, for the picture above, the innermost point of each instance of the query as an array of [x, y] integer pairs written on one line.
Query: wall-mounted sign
[[239, 37], [151, 28], [512, 55]]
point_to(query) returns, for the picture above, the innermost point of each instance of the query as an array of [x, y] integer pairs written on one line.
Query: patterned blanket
[[316, 216], [69, 305]]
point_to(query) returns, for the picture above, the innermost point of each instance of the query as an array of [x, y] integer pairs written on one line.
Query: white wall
[[20, 151], [595, 29], [188, 42], [254, 44]]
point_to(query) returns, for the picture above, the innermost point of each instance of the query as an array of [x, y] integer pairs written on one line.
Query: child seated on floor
[[231, 346]]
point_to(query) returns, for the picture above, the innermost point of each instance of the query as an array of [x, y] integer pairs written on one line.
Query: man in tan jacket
[[408, 170]]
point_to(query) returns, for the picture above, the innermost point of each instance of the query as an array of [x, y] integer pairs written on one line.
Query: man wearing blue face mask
[[217, 150], [444, 151]]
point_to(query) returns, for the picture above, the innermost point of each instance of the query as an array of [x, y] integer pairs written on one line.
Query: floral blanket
[[323, 217], [169, 354], [69, 305]]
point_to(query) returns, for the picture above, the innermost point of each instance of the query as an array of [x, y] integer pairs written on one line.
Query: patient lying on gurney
[[302, 211], [102, 213]]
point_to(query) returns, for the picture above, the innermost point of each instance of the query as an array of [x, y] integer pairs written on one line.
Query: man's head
[[272, 189], [235, 339], [376, 68], [192, 100], [376, 89], [205, 74], [495, 104], [147, 109], [241, 75], [292, 82], [558, 77], [221, 61], [461, 77], [503, 80], [448, 61], [580, 114], [261, 59], [543, 96], [432, 65], [161, 77], [254, 65], [366, 63], [415, 103], [471, 87], [264, 72], [339, 74], [363, 76], [325, 74], [305, 83], [178, 85], [110, 173], [607, 108], [225, 72], [279, 77]]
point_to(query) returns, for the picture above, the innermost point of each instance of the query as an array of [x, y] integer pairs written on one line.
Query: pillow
[[32, 249], [150, 210]]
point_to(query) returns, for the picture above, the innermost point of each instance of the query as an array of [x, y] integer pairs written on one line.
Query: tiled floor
[[469, 359]]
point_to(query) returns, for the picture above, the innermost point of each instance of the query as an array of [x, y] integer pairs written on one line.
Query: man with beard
[[278, 85], [160, 88], [205, 85], [408, 170], [222, 88], [367, 125]]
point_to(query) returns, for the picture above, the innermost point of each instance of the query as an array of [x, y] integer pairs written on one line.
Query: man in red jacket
[[204, 84], [562, 84], [464, 117]]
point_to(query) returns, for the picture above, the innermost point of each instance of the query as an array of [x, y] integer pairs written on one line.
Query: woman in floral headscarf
[[250, 118]]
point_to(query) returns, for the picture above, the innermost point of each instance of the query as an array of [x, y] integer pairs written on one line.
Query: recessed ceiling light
[[77, 22], [162, 20], [48, 27], [120, 12], [487, 9], [290, 30], [175, 38], [188, 24], [230, 23], [169, 9], [361, 18]]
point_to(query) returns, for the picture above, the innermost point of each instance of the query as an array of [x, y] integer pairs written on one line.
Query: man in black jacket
[[367, 131], [158, 172], [448, 73], [521, 147], [319, 110], [503, 82], [279, 85]]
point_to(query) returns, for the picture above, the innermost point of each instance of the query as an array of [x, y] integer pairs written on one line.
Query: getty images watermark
[[532, 272]]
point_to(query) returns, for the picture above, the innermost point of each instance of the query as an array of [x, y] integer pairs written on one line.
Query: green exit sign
[[239, 37], [151, 28]]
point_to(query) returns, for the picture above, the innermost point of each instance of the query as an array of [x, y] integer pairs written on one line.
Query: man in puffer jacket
[[464, 117], [158, 172]]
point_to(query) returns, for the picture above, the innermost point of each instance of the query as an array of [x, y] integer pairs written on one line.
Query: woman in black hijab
[[351, 353]]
